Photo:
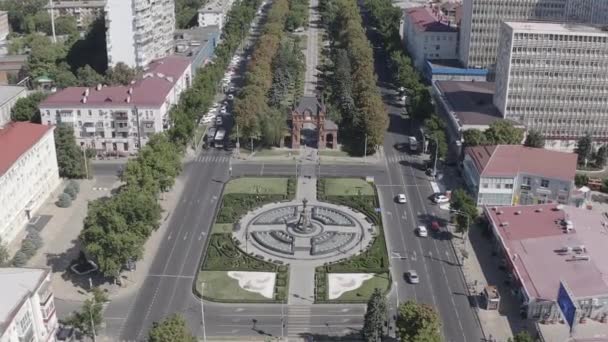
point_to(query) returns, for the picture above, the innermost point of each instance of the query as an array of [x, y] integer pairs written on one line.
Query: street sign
[[567, 305]]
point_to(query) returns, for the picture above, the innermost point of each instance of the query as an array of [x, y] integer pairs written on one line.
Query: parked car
[[218, 121], [435, 226], [401, 198], [230, 97], [422, 232], [412, 277], [440, 198]]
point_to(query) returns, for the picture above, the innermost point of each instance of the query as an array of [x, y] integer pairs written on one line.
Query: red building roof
[[509, 160], [428, 19], [16, 138], [149, 91]]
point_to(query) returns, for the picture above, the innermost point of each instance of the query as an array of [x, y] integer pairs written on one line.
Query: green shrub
[[70, 191], [74, 184], [234, 206], [291, 187], [28, 248], [20, 259], [64, 201], [281, 282], [34, 237], [224, 255]]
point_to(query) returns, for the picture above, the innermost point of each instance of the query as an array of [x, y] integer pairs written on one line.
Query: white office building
[[214, 13], [554, 78], [139, 31], [28, 174], [117, 120], [27, 305], [588, 11]]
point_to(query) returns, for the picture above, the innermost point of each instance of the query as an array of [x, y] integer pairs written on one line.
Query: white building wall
[[5, 108], [423, 45], [26, 185], [211, 19], [120, 39]]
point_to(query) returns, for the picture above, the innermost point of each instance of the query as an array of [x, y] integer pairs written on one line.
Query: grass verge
[[257, 185], [220, 287], [347, 187]]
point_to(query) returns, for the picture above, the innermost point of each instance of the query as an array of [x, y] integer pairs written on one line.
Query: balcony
[[148, 126], [123, 129], [89, 128]]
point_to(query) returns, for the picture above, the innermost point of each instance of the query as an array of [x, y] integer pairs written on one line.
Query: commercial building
[[515, 174], [4, 26], [8, 97], [428, 35], [198, 44], [214, 13], [544, 245], [84, 11], [28, 174], [119, 119], [27, 306], [139, 31], [554, 78]]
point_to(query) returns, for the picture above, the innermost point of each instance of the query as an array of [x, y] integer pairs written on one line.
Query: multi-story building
[[214, 13], [514, 174], [4, 26], [480, 25], [28, 174], [139, 31], [588, 11], [119, 119], [429, 35], [8, 97], [197, 43], [554, 78], [27, 306], [84, 11], [546, 248]]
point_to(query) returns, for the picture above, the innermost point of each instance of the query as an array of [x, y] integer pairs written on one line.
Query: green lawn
[[252, 185], [276, 153], [220, 287], [333, 153], [381, 281], [219, 228], [347, 187]]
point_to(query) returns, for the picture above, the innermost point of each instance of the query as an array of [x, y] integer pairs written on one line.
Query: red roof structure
[[149, 91], [510, 160], [428, 19], [543, 252], [16, 138]]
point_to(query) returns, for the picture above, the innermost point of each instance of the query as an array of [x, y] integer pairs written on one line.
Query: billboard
[[566, 304]]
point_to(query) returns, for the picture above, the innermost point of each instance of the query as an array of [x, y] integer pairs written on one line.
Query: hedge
[[234, 206]]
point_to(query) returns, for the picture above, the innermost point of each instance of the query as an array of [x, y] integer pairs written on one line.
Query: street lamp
[[203, 312]]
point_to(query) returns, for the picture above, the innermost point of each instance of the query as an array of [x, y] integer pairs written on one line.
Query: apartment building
[[28, 174], [27, 306], [553, 78], [85, 11], [214, 13], [139, 31], [120, 119], [4, 26], [514, 174], [429, 35], [8, 97]]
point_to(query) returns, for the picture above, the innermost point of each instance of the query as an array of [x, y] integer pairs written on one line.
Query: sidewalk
[[291, 156]]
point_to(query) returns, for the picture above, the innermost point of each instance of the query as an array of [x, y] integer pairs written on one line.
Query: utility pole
[[53, 20], [84, 158], [365, 149], [435, 162], [238, 143], [91, 317], [203, 312]]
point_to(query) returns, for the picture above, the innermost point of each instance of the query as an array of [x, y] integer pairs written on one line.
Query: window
[[527, 181], [544, 183], [78, 112], [25, 322], [485, 185], [498, 185], [508, 186]]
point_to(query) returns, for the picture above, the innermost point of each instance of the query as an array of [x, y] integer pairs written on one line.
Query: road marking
[[239, 310], [262, 170], [170, 236], [414, 255], [170, 276], [186, 236], [201, 236]]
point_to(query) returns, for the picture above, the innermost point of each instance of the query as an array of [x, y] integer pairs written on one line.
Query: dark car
[[435, 226], [66, 333]]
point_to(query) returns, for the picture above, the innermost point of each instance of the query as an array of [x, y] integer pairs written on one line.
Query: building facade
[[4, 26], [28, 174], [428, 35], [85, 12], [514, 174], [554, 78], [214, 13], [118, 120], [198, 44], [139, 31], [8, 97], [27, 308]]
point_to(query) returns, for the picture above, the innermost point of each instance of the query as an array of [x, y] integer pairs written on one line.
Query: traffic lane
[[263, 169], [133, 324], [108, 168]]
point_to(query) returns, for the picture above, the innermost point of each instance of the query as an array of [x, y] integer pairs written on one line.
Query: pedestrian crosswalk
[[298, 322], [207, 159], [393, 159]]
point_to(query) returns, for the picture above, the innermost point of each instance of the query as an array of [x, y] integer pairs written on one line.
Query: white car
[[422, 232], [230, 97], [401, 198], [439, 198], [218, 121], [224, 110], [412, 277]]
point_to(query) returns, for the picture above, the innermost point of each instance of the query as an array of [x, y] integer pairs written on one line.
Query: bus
[[219, 138]]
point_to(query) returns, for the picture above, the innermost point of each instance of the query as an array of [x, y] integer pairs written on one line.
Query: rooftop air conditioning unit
[[539, 210], [518, 212], [500, 212], [504, 224]]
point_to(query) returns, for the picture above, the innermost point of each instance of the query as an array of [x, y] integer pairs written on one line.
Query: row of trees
[[499, 133], [354, 95], [589, 155], [116, 228], [415, 322]]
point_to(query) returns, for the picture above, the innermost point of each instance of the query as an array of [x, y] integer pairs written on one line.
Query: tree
[[89, 318], [62, 76], [4, 256], [584, 149], [173, 328], [70, 158], [503, 133], [19, 259], [534, 139], [474, 137], [64, 200], [599, 158], [464, 208], [87, 77], [120, 74], [581, 179], [375, 317], [26, 108], [418, 323], [522, 336]]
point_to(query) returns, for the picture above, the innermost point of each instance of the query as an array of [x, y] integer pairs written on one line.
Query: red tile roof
[[16, 138], [150, 91], [427, 20], [532, 236], [509, 160]]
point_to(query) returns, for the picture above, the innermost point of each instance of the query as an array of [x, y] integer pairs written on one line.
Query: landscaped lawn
[[333, 153], [381, 281], [219, 228], [220, 287], [347, 187], [251, 185], [276, 153]]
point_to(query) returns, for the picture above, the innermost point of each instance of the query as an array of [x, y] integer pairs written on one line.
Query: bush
[[74, 187], [64, 201], [70, 192], [581, 179], [224, 255], [28, 248], [35, 238], [236, 205], [20, 259]]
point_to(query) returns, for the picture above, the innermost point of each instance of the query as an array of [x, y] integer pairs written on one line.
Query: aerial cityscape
[[304, 170]]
